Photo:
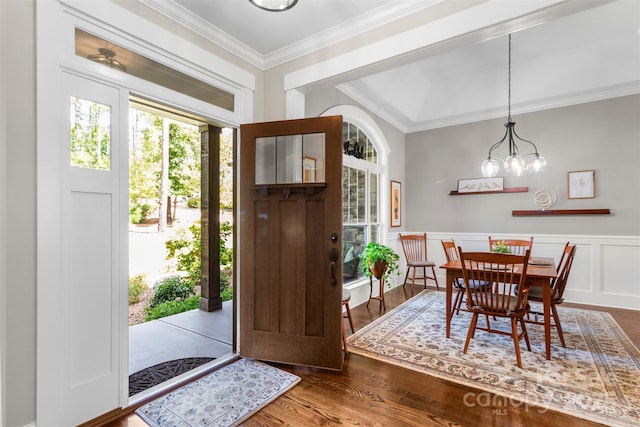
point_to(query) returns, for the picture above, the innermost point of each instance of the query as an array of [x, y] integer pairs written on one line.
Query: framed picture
[[396, 213], [480, 185], [581, 184], [309, 169]]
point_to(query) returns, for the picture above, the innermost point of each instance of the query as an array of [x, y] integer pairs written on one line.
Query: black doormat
[[156, 374]]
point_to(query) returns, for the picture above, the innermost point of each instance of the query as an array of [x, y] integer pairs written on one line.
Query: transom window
[[360, 199]]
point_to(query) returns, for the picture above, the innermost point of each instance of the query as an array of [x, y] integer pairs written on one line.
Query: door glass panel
[[290, 159], [90, 134], [353, 243]]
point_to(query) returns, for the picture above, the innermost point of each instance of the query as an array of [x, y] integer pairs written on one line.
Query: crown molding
[[367, 22], [193, 22], [356, 26], [405, 125]]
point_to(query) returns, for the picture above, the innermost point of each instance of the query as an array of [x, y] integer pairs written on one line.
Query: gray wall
[[603, 135], [18, 20]]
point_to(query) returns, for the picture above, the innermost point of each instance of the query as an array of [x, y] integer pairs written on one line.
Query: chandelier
[[515, 164], [274, 5]]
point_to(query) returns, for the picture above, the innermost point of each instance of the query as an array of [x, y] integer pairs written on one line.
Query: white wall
[[3, 209], [19, 312]]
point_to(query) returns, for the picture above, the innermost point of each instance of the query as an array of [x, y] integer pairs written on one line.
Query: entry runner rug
[[225, 397], [596, 377]]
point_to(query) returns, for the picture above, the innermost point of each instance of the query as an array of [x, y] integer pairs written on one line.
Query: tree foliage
[[90, 134], [145, 166]]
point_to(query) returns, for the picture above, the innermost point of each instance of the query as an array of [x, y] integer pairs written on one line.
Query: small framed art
[[581, 184], [309, 168], [395, 195]]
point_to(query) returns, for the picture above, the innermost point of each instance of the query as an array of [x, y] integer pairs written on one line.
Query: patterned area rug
[[597, 377], [156, 374], [225, 397]]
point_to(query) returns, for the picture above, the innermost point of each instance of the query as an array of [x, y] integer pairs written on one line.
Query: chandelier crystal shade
[[515, 163], [274, 5]]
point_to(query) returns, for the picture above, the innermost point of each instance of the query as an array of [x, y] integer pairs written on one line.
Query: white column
[[295, 104]]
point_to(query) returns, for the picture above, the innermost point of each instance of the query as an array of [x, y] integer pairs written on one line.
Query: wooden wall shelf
[[505, 190], [561, 212]]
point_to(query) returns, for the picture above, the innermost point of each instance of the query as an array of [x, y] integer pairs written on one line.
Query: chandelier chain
[[509, 80]]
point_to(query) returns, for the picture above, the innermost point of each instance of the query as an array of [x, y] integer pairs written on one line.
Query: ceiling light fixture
[[274, 5], [106, 57], [515, 163]]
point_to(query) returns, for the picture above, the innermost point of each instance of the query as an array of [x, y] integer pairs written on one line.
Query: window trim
[[368, 125]]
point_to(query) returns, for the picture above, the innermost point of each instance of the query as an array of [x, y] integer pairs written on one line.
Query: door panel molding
[[290, 310]]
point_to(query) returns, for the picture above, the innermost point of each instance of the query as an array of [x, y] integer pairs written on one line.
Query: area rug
[[596, 377], [157, 374], [223, 398]]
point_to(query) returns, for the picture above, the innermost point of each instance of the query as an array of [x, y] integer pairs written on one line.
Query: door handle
[[334, 255]]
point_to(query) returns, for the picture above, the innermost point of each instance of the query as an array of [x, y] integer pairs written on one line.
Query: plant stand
[[380, 297]]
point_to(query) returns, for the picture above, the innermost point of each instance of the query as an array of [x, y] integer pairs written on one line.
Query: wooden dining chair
[[414, 247], [451, 253], [557, 291], [346, 297], [505, 271], [515, 246]]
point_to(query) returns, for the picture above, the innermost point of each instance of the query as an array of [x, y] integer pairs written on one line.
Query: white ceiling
[[588, 55]]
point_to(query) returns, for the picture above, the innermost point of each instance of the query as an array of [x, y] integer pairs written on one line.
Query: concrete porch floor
[[194, 333]]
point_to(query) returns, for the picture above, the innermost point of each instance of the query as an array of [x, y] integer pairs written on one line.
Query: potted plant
[[500, 247], [379, 260]]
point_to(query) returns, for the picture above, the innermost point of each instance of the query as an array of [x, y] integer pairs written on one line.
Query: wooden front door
[[290, 282]]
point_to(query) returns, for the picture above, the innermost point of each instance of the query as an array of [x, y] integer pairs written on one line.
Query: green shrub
[[226, 294], [226, 253], [169, 308], [137, 285], [172, 289], [226, 290], [138, 213], [194, 202], [186, 249]]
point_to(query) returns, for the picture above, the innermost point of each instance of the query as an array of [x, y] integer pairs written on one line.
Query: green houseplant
[[500, 247], [379, 260]]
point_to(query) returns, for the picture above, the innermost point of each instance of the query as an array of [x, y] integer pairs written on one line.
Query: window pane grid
[[360, 210], [373, 197]]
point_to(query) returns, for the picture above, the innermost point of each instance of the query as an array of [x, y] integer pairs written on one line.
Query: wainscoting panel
[[605, 272]]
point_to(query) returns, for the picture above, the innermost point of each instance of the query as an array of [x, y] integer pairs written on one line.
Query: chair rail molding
[[605, 271]]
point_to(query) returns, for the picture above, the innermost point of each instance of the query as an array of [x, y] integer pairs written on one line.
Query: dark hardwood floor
[[371, 393]]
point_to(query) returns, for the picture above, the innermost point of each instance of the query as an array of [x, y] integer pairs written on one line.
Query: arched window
[[360, 198], [364, 168]]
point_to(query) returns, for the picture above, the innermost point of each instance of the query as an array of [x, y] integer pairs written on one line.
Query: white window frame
[[368, 125]]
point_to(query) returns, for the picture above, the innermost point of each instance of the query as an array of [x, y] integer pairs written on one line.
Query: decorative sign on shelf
[[545, 198], [480, 185]]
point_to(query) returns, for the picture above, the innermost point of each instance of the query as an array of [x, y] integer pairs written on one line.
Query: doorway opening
[[180, 220]]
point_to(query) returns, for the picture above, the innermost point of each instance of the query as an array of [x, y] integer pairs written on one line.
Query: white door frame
[[55, 22]]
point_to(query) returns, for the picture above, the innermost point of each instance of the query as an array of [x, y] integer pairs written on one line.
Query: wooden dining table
[[540, 274]]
